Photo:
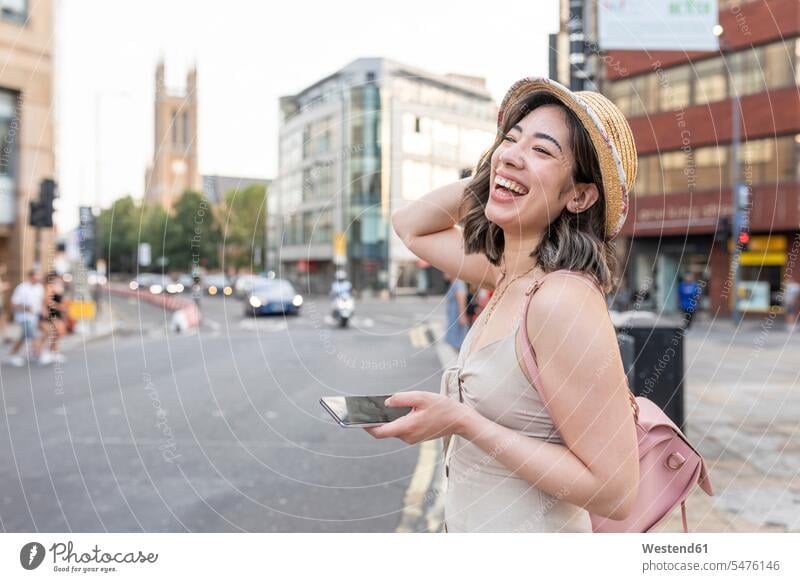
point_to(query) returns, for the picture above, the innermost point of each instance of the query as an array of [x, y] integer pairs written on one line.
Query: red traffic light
[[744, 237]]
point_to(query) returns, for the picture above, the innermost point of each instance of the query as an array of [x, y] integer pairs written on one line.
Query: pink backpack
[[669, 467]]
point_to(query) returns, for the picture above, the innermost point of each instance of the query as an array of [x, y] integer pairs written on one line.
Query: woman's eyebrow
[[541, 135], [548, 138]]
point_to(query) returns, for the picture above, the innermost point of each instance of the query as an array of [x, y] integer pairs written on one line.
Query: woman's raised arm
[[428, 227]]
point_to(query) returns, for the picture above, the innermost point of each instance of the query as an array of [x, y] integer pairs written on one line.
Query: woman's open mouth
[[505, 189]]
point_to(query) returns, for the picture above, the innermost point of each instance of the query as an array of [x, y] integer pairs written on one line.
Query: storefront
[[761, 272], [656, 266]]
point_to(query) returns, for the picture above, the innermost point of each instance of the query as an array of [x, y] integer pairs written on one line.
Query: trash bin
[[652, 354]]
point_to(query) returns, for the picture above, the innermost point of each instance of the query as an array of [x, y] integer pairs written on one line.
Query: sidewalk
[[742, 402], [102, 326]]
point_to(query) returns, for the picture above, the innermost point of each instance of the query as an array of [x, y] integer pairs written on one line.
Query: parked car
[[185, 280], [143, 281], [273, 296], [156, 283]]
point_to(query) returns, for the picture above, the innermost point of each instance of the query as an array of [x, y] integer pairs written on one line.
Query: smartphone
[[361, 411]]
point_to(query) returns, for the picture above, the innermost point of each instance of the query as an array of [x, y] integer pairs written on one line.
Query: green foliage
[[118, 234], [187, 236], [244, 227]]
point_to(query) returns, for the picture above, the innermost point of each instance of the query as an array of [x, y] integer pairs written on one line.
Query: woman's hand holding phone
[[432, 416]]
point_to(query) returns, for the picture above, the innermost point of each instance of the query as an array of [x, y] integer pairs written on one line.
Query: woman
[[52, 320], [546, 199]]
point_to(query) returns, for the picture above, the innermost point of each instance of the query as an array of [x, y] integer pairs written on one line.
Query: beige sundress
[[482, 495]]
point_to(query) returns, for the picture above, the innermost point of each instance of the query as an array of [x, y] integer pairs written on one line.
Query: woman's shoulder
[[563, 295], [575, 279]]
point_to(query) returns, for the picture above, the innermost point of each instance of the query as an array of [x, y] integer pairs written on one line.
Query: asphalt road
[[216, 430]]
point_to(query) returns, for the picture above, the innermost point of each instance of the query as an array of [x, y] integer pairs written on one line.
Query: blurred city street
[[209, 228], [220, 429]]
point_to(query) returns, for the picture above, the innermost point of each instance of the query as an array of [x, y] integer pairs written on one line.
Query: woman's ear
[[583, 197]]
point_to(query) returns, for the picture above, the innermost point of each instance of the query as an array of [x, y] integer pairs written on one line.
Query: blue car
[[272, 296]]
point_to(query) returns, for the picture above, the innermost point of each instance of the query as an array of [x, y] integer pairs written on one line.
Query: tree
[[118, 234], [191, 234], [244, 226]]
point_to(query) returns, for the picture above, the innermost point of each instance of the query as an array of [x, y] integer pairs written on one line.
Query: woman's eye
[[508, 138], [544, 151]]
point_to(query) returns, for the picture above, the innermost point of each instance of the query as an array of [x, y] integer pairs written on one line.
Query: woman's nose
[[512, 156]]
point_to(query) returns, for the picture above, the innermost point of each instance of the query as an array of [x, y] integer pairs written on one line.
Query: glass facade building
[[354, 146]]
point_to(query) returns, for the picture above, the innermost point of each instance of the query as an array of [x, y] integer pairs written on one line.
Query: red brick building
[[680, 108]]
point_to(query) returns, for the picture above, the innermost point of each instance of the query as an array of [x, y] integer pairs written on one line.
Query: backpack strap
[[683, 516], [526, 347]]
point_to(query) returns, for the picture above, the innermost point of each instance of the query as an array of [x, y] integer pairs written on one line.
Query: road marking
[[414, 499], [420, 336], [263, 325], [435, 516]]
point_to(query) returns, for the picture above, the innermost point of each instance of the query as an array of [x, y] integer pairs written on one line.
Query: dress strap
[[526, 347]]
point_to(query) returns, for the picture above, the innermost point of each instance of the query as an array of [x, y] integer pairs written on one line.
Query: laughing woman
[[535, 224]]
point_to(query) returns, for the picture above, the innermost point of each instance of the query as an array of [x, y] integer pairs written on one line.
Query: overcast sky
[[248, 53]]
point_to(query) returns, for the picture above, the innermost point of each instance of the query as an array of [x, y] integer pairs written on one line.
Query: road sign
[[145, 255]]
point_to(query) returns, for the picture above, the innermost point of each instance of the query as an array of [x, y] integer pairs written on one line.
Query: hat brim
[[583, 104]]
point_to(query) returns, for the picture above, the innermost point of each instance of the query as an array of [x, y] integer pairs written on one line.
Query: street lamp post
[[737, 187]]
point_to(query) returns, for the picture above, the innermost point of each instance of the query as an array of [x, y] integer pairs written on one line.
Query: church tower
[[174, 168]]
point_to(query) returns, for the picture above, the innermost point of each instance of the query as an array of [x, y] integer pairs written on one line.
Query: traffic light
[[41, 211], [744, 240], [723, 232]]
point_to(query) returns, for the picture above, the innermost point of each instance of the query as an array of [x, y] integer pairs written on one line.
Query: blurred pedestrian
[[689, 297], [52, 321], [4, 286], [27, 301], [456, 306], [472, 304], [791, 302]]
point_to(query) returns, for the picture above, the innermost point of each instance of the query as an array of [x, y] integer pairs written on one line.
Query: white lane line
[[435, 516]]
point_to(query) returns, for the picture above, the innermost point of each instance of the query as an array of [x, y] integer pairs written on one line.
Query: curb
[[447, 354], [186, 315]]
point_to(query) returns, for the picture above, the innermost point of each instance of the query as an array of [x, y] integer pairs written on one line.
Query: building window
[[417, 134], [711, 81], [675, 88], [746, 73], [185, 124], [14, 10], [9, 140], [763, 161], [175, 128], [777, 59], [416, 180]]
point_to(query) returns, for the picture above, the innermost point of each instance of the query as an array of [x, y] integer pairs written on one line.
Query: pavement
[[102, 326], [742, 402]]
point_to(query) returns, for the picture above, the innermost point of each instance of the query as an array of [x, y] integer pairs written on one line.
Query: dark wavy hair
[[574, 241]]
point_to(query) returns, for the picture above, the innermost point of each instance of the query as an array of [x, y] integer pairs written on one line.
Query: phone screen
[[362, 410]]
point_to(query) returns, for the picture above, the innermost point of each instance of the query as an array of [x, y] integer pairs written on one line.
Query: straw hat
[[609, 132]]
